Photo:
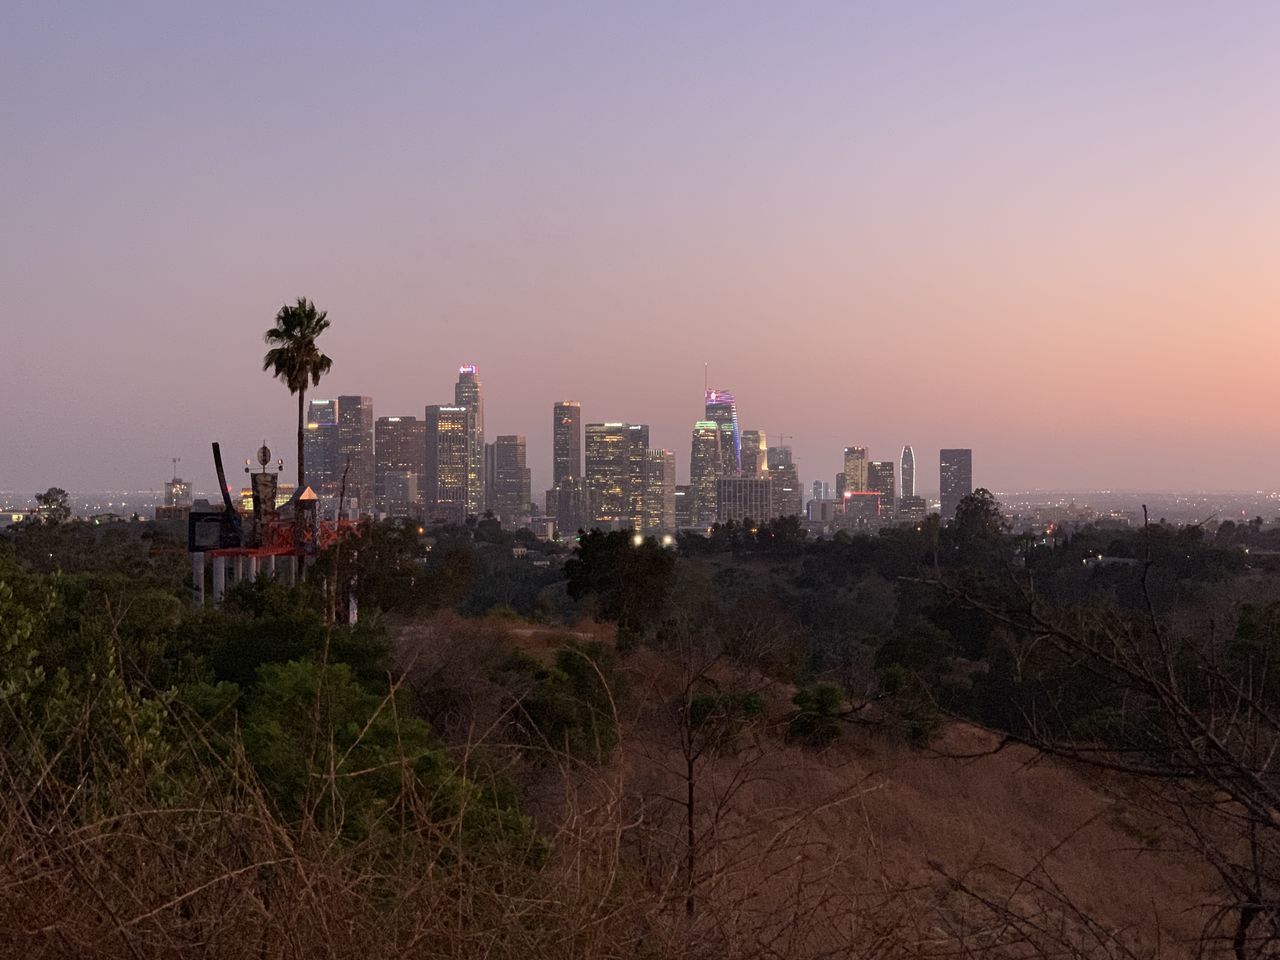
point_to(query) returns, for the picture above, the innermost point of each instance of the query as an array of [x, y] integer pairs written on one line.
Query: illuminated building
[[788, 496], [320, 449], [744, 498], [177, 493], [355, 453], [722, 410], [448, 432], [908, 472], [511, 486], [685, 500], [755, 461], [855, 470], [615, 469], [955, 478], [912, 508], [566, 436], [400, 446], [400, 493], [660, 492], [467, 392], [706, 465], [880, 480], [859, 507]]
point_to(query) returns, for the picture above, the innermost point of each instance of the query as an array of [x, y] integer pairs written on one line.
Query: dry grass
[[867, 850]]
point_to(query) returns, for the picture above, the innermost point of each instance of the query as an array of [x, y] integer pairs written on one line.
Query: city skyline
[[1046, 234]]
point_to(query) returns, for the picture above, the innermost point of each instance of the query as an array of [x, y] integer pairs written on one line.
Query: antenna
[[176, 461], [706, 383]]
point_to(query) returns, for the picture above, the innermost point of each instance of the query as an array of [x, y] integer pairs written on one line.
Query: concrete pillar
[[268, 565], [251, 565], [219, 578], [197, 580]]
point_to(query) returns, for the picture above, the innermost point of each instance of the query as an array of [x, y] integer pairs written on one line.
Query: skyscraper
[[880, 480], [706, 466], [637, 470], [754, 454], [788, 497], [320, 448], [615, 471], [448, 432], [511, 490], [744, 498], [855, 469], [660, 492], [566, 435], [955, 478], [355, 453], [469, 393], [908, 472], [400, 445], [722, 410]]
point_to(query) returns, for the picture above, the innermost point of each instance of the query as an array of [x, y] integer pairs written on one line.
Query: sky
[[1049, 232]]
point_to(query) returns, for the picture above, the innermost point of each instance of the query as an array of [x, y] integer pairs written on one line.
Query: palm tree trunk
[[301, 428]]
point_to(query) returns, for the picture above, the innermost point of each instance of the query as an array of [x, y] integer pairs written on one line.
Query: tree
[[296, 359], [52, 506]]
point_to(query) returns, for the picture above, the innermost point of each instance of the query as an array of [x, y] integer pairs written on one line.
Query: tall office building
[[788, 496], [448, 433], [490, 475], [615, 470], [722, 410], [908, 472], [320, 450], [744, 498], [637, 469], [400, 446], [566, 437], [706, 466], [880, 480], [955, 479], [685, 501], [660, 492], [855, 469], [355, 453], [511, 487], [467, 392], [755, 454]]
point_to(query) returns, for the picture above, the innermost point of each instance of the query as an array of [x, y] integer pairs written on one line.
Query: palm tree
[[295, 358]]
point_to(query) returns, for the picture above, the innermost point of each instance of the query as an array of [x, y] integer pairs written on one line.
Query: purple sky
[[1049, 234]]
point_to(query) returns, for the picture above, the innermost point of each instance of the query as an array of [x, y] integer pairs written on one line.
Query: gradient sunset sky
[[1048, 232]]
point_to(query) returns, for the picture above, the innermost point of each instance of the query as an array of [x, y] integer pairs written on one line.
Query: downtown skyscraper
[[955, 479], [468, 392], [448, 432], [908, 472], [355, 453], [511, 492], [616, 458], [566, 440], [722, 410], [400, 464], [706, 467]]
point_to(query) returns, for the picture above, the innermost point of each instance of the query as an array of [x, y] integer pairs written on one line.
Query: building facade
[[448, 431], [469, 393], [908, 472], [855, 470], [566, 440], [722, 410], [955, 478], [880, 480], [755, 454], [660, 492], [744, 498], [511, 485], [400, 446], [355, 454], [615, 470], [784, 475], [706, 466]]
